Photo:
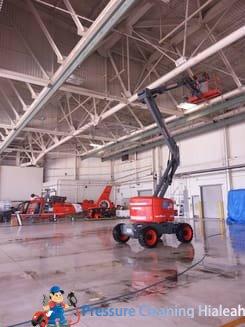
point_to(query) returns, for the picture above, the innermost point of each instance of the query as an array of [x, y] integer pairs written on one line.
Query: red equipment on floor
[[154, 208], [40, 319], [54, 207], [153, 216], [103, 207]]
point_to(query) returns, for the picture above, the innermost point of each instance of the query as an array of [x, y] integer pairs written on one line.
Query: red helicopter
[[47, 208], [54, 207], [103, 207]]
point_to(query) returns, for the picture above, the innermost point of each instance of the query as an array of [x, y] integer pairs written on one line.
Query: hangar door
[[212, 201]]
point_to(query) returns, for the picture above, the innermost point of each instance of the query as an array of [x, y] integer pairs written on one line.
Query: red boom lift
[[153, 216]]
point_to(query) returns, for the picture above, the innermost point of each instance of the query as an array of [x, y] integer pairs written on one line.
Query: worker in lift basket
[[56, 307]]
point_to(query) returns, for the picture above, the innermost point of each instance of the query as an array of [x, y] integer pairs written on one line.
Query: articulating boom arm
[[147, 96]]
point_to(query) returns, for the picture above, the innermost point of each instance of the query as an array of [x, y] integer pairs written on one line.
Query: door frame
[[201, 193], [193, 204]]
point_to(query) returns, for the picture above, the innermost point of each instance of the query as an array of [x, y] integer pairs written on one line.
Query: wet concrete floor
[[82, 257]]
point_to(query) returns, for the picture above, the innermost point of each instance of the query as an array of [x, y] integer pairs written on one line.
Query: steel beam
[[213, 12], [45, 31], [233, 37], [4, 73], [201, 56], [80, 27], [12, 75], [29, 49], [150, 130], [138, 12], [15, 76], [186, 26], [224, 59], [24, 106], [185, 21], [103, 24]]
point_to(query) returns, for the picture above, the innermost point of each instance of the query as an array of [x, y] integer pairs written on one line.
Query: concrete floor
[[82, 256]]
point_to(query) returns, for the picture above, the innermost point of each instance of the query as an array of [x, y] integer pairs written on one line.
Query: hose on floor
[[132, 293]]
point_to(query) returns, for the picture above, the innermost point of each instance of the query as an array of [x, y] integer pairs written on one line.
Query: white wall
[[202, 150], [76, 179], [59, 168], [18, 183], [69, 167], [219, 148], [206, 151], [78, 190], [133, 176], [94, 169]]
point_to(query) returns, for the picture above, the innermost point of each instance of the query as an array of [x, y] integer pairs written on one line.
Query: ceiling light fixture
[[187, 106], [74, 79], [95, 145]]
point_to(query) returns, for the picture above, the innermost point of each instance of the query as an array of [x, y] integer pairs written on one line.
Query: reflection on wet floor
[[151, 267], [83, 257]]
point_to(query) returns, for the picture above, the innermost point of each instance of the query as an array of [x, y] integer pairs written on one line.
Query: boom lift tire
[[118, 236], [184, 233], [148, 237]]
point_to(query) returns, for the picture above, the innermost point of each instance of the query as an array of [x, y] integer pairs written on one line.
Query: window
[[125, 157], [167, 204]]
